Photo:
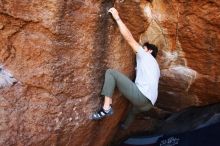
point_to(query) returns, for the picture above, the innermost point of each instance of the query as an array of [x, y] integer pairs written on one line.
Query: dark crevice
[[99, 55], [101, 39]]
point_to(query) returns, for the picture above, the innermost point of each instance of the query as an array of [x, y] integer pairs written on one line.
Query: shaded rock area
[[189, 119], [58, 51], [181, 125]]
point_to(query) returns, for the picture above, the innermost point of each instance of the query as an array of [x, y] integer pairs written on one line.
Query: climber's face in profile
[[147, 50]]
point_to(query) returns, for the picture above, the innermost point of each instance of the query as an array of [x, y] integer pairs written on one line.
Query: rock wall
[[58, 51], [188, 35]]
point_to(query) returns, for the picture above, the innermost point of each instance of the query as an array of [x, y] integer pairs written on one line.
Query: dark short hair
[[151, 47]]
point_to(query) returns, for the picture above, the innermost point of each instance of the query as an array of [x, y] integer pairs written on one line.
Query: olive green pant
[[130, 91]]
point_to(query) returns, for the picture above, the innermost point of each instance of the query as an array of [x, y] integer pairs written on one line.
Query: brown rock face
[[58, 52], [188, 35]]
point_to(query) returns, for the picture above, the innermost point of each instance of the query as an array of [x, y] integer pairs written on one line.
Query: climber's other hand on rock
[[114, 13]]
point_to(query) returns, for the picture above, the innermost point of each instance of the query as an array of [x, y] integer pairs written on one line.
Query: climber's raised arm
[[124, 30]]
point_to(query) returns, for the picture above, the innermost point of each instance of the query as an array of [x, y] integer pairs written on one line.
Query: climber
[[143, 93]]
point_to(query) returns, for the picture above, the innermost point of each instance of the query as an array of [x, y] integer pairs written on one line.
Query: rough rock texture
[[58, 50], [188, 35]]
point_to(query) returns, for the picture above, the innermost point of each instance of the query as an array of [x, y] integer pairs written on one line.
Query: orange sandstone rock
[[59, 51]]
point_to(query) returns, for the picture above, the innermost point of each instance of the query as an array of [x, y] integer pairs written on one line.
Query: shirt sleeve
[[141, 52]]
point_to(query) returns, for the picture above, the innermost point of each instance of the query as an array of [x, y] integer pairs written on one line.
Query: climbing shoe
[[101, 113]]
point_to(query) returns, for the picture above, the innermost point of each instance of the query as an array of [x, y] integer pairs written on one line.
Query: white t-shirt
[[147, 74]]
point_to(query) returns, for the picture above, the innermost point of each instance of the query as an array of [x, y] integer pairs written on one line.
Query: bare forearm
[[124, 30]]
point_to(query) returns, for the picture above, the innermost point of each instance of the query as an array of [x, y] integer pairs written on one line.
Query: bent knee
[[109, 71], [112, 72]]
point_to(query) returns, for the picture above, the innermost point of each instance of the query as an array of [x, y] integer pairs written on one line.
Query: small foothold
[[1, 26], [56, 120], [60, 113]]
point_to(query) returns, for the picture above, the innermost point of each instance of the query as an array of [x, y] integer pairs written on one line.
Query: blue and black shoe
[[100, 114]]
